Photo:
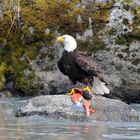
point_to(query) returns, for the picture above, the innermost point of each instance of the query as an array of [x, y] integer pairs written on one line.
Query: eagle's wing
[[87, 64], [60, 66]]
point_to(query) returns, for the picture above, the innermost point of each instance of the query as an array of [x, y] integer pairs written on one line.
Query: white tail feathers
[[99, 87]]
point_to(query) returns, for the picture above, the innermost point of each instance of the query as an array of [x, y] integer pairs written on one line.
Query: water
[[41, 128]]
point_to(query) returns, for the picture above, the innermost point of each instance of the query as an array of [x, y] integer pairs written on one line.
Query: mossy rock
[[93, 44], [28, 85]]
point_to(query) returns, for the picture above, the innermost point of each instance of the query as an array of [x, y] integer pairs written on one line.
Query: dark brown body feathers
[[78, 67]]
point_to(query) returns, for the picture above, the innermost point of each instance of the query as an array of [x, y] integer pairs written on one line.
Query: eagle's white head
[[69, 42]]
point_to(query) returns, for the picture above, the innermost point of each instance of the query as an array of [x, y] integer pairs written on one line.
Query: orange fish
[[77, 97]]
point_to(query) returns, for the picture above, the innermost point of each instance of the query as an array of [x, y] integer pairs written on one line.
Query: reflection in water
[[41, 128]]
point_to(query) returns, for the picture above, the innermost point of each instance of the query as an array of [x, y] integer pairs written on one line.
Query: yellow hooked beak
[[60, 39]]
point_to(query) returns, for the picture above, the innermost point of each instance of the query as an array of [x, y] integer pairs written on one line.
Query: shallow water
[[41, 128]]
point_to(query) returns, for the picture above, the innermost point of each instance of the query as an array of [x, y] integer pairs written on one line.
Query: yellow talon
[[87, 88], [72, 91]]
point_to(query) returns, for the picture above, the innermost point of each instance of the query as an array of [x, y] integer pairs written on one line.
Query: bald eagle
[[79, 67]]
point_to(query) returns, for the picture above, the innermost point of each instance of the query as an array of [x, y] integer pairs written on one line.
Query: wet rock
[[60, 106]]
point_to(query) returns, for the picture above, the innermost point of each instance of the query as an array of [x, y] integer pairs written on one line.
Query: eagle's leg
[[89, 84], [71, 92], [73, 83], [88, 88]]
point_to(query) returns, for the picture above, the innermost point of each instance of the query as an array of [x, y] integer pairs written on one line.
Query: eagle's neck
[[70, 47]]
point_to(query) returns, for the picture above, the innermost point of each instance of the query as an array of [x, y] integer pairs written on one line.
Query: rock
[[122, 70], [116, 20], [53, 82], [60, 106], [5, 94]]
